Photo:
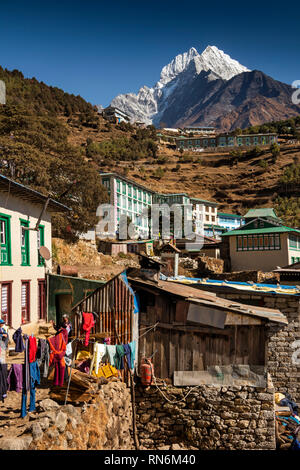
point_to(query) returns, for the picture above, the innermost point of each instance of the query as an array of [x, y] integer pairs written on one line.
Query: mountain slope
[[247, 99], [150, 103], [210, 89]]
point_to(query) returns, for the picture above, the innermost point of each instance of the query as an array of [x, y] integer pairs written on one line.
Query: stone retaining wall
[[208, 418], [283, 352], [103, 424]]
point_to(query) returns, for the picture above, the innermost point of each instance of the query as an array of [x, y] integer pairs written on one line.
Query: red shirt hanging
[[88, 323]]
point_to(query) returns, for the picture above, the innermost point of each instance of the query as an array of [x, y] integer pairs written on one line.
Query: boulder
[[19, 443], [48, 405], [61, 421]]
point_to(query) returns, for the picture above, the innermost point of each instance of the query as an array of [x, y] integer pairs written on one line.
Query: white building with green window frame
[[128, 199], [263, 243], [22, 269]]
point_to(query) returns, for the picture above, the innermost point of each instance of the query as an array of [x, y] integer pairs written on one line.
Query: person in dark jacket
[[3, 333], [65, 324]]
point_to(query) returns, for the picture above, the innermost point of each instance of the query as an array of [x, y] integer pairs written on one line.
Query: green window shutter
[[25, 260], [5, 240], [40, 242]]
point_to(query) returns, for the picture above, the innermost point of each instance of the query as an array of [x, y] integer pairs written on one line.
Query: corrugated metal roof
[[30, 194], [191, 294], [246, 286]]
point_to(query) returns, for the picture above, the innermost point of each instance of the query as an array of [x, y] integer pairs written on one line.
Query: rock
[[20, 443], [48, 405], [176, 447], [44, 423], [61, 421], [51, 415], [36, 431], [52, 433], [69, 436], [145, 418], [73, 422], [71, 411]]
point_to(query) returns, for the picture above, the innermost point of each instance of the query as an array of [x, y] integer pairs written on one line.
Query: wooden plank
[[172, 352], [197, 359], [164, 354], [188, 328], [181, 311], [235, 319]]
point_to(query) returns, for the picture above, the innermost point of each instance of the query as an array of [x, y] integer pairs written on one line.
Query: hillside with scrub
[[57, 143]]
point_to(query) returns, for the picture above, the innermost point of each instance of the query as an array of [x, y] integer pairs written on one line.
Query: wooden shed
[[116, 311], [196, 329]]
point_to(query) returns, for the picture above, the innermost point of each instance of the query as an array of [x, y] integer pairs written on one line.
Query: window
[[6, 302], [40, 242], [118, 186], [106, 183], [42, 299], [258, 242], [25, 301], [250, 243], [124, 188], [129, 190], [5, 240], [140, 195], [293, 241], [25, 261]]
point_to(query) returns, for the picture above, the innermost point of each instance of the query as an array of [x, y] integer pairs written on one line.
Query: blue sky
[[99, 49]]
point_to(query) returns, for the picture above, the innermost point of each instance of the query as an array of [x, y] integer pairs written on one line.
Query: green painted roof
[[280, 229], [217, 227], [232, 216], [263, 212], [204, 200]]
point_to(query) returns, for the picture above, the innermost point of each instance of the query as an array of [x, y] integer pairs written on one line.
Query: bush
[[263, 164]]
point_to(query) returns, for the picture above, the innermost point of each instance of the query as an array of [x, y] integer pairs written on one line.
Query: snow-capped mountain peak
[[150, 103], [177, 65]]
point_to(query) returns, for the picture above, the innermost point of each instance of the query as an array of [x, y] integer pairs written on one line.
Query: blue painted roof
[[248, 286]]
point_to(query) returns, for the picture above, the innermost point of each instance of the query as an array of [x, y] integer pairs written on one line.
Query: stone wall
[[282, 349], [209, 418], [208, 265], [105, 423]]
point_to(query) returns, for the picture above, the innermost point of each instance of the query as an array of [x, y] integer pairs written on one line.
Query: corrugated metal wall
[[114, 305]]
